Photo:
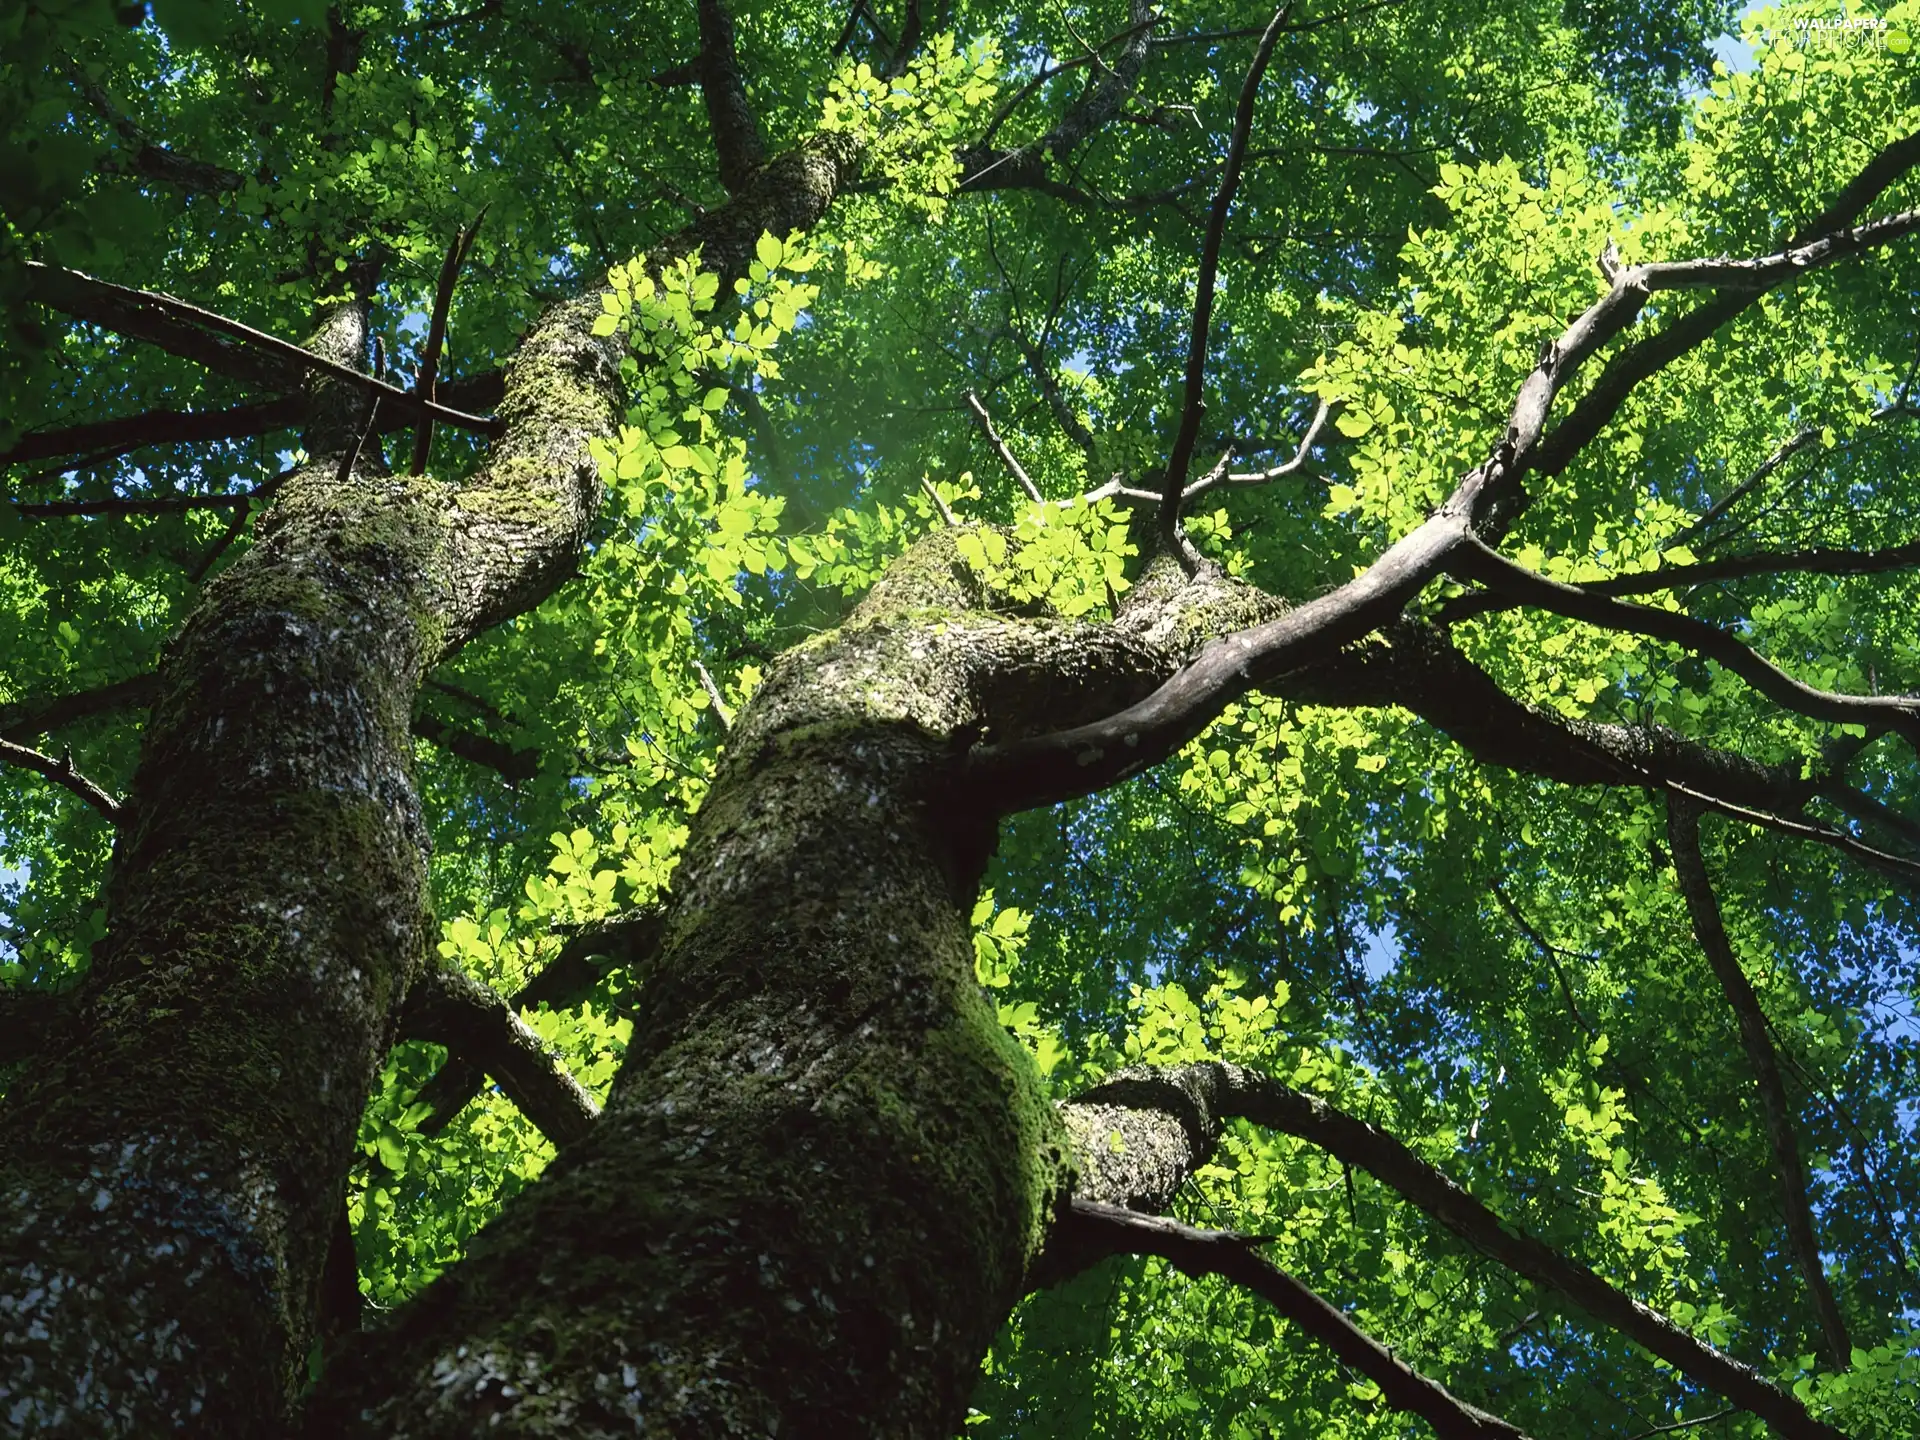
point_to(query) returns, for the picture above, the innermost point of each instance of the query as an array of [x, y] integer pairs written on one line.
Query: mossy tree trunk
[[825, 1169], [174, 1161]]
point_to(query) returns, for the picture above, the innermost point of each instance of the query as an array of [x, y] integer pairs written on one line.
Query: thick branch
[[1683, 836], [513, 765], [1191, 1102], [588, 958], [157, 162], [133, 505], [157, 427], [30, 718], [61, 772], [449, 1008], [1816, 561], [1649, 356], [1025, 166], [1094, 1231], [1049, 768], [736, 133]]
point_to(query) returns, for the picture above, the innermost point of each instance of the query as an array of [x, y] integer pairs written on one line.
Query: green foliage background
[[1494, 968]]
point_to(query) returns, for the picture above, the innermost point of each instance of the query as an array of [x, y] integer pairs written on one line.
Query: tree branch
[[587, 958], [1263, 477], [1818, 561], [513, 765], [1784, 452], [27, 719], [1696, 887], [1094, 1231], [1649, 356], [736, 132], [1193, 401], [1025, 166], [1475, 561], [450, 1008], [134, 505], [1045, 769], [61, 772], [985, 422], [426, 386], [29, 1016], [1172, 1118], [156, 162], [223, 345]]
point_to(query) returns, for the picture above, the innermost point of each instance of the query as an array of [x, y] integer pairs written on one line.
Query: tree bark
[[163, 1249]]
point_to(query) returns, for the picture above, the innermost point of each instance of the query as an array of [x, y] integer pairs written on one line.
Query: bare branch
[[1784, 452], [1263, 477], [585, 960], [61, 772], [1546, 951], [1868, 810], [426, 386], [1696, 887], [1899, 866], [209, 339], [448, 1007], [1093, 1231], [1193, 401], [1476, 561], [985, 421], [1193, 1101], [1025, 167]]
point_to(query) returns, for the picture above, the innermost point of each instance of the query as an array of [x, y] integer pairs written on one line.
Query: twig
[[1007, 459]]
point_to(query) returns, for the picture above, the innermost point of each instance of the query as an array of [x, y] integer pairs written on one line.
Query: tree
[[1213, 704]]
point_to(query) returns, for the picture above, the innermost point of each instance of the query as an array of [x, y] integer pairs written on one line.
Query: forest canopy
[[728, 717]]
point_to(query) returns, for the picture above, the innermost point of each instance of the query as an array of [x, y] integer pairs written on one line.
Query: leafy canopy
[[1498, 969]]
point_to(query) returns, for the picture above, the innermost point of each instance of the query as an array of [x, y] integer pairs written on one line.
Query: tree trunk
[[175, 1160]]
